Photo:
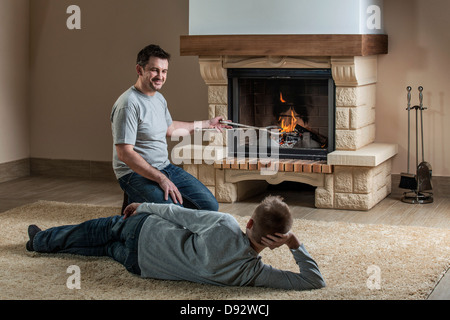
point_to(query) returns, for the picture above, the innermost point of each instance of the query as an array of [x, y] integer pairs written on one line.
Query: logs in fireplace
[[297, 106]]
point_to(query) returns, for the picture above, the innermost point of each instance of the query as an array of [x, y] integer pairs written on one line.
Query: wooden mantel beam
[[285, 45]]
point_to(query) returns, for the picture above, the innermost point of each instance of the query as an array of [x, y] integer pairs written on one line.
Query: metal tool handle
[[421, 96], [249, 127], [237, 124], [408, 88], [409, 123], [421, 119]]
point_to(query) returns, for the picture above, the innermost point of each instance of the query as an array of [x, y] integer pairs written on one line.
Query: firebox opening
[[294, 193], [295, 107], [291, 190]]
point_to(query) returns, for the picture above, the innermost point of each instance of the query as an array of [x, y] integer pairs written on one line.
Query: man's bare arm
[[181, 128]]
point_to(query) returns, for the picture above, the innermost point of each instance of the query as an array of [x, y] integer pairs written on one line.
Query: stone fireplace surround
[[357, 174]]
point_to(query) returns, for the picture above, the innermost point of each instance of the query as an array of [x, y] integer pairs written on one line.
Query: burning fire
[[288, 120], [293, 137]]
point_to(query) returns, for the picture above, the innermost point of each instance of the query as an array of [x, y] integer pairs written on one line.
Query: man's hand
[[136, 163], [218, 123], [130, 210], [279, 239], [170, 188]]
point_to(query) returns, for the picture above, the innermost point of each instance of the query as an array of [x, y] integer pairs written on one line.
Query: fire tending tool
[[419, 188], [408, 180], [424, 169], [268, 129]]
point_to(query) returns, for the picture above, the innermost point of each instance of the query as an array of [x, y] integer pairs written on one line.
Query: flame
[[281, 98], [288, 122]]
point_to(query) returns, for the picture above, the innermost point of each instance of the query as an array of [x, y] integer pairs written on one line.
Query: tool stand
[[421, 193]]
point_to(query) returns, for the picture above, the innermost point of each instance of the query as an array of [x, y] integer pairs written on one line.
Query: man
[[167, 241], [141, 122]]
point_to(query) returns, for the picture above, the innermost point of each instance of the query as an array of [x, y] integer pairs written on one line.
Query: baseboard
[[72, 168], [14, 169]]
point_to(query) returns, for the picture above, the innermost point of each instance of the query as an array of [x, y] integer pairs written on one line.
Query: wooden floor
[[391, 211]]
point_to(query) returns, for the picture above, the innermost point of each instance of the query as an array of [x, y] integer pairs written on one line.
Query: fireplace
[[295, 109], [326, 82]]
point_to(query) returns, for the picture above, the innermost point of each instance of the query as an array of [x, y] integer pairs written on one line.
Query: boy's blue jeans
[[195, 194], [113, 236]]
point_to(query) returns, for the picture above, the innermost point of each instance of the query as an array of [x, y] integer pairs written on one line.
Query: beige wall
[[75, 76], [419, 51], [14, 53]]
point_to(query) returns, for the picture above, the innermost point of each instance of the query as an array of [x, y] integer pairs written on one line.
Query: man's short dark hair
[[271, 216], [152, 50]]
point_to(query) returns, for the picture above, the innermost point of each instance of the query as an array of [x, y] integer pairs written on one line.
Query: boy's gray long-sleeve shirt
[[176, 243]]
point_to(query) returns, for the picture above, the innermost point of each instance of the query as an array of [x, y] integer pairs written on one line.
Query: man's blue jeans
[[195, 194], [115, 237]]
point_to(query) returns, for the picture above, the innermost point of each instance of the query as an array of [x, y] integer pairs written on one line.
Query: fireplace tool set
[[418, 184]]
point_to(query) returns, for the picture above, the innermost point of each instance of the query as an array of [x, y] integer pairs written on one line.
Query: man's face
[[154, 74]]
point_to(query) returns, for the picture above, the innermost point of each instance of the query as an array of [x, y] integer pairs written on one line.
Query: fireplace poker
[[408, 180], [251, 127]]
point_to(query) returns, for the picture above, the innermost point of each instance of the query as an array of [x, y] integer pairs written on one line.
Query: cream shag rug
[[357, 261]]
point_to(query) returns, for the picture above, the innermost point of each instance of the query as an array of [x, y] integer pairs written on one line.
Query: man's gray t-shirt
[[177, 243], [141, 121]]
